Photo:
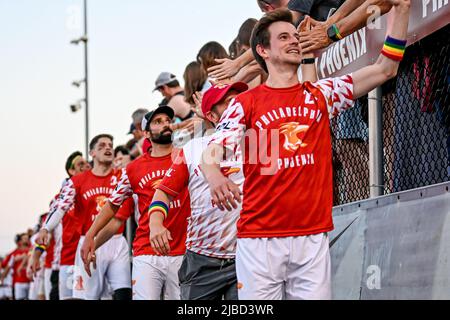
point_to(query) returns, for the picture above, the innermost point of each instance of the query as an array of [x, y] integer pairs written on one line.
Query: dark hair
[[19, 236], [233, 49], [194, 79], [245, 32], [70, 159], [261, 34], [98, 137], [121, 149], [130, 144], [209, 52], [173, 84], [275, 3]]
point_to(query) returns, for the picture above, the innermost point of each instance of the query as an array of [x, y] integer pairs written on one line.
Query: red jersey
[[87, 193], [50, 254], [147, 144], [210, 232], [142, 177], [287, 164], [67, 235], [15, 261]]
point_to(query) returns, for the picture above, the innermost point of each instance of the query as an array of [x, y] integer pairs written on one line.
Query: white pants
[[65, 284], [113, 268], [5, 292], [293, 268], [155, 277], [36, 286], [21, 291], [47, 283]]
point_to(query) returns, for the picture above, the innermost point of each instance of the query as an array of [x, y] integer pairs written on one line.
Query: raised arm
[[386, 67], [360, 17], [350, 17], [308, 66], [228, 68]]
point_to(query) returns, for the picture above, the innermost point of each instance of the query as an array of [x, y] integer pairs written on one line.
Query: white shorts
[[155, 277], [5, 292], [47, 282], [21, 291], [65, 282], [36, 287], [113, 267], [293, 268]]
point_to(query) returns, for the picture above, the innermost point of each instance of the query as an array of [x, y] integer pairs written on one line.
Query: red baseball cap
[[216, 93]]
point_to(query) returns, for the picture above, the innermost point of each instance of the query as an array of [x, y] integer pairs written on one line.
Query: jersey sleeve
[[62, 204], [338, 93], [177, 177], [126, 209], [231, 127], [123, 190], [5, 262]]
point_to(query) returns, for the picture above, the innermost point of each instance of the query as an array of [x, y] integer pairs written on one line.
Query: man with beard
[[153, 276], [88, 193], [208, 269]]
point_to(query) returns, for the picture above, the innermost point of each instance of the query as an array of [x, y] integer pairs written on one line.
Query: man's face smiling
[[284, 45]]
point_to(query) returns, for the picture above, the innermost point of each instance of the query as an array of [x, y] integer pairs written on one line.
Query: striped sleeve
[[123, 190], [338, 93]]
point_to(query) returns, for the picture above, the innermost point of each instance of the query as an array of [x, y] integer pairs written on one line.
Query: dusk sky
[[130, 43]]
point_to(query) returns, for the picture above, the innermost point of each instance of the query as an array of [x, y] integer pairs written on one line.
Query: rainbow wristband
[[336, 30], [158, 206], [40, 247], [394, 49]]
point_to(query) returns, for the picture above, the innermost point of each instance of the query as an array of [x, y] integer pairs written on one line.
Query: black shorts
[[206, 278]]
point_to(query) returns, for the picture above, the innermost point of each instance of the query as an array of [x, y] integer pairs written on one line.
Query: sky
[[130, 43]]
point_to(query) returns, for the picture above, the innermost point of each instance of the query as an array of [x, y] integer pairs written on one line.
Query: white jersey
[[210, 232]]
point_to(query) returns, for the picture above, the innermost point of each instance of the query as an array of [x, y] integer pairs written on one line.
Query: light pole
[[76, 107]]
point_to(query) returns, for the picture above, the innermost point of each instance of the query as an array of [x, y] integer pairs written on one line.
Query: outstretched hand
[[313, 35], [226, 68]]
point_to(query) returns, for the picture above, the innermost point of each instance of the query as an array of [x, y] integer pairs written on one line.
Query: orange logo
[[228, 171], [79, 284], [156, 184], [290, 131], [240, 285], [101, 201]]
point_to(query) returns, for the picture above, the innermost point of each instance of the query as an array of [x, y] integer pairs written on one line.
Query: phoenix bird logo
[[101, 201], [290, 131], [228, 171], [156, 184]]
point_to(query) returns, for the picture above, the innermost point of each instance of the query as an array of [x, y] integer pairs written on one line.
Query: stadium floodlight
[[78, 83], [81, 39], [75, 107]]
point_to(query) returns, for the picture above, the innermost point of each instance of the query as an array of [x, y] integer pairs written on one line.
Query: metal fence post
[[129, 235], [376, 143]]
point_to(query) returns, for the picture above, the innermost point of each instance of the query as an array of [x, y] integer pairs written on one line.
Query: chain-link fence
[[416, 126]]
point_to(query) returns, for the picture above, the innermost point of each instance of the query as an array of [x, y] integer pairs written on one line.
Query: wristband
[[308, 61], [394, 49], [158, 206], [40, 247], [334, 33]]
